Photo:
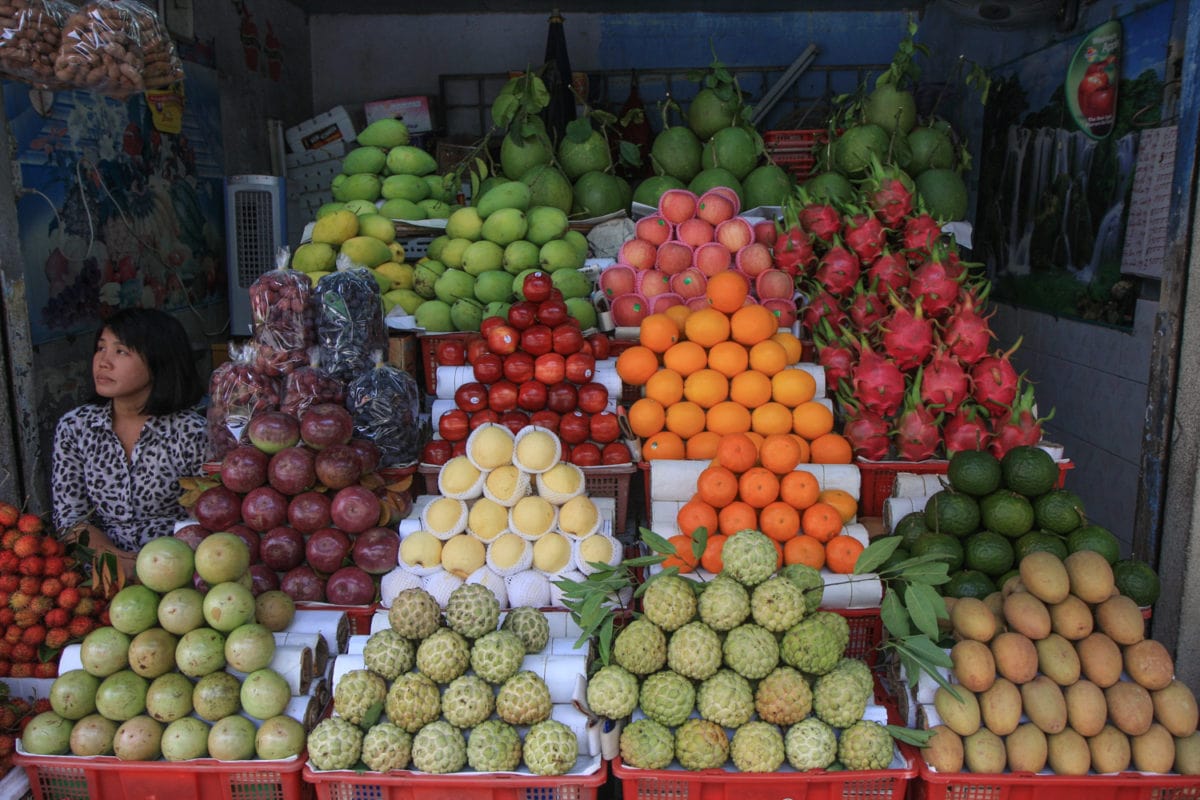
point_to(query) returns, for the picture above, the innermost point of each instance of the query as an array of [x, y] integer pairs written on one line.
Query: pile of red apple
[[305, 496], [533, 367]]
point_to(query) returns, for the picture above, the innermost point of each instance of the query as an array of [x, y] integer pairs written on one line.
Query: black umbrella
[[557, 77]]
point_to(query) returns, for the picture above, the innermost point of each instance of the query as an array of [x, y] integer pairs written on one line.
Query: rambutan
[[10, 582], [81, 626], [57, 638], [45, 669], [26, 617], [68, 598], [52, 547], [41, 706], [5, 670], [51, 587], [12, 634], [27, 545], [7, 745], [9, 514], [31, 584], [71, 578], [23, 652], [34, 634], [21, 669], [4, 597], [32, 565], [8, 714], [20, 600], [53, 566], [42, 605], [6, 616], [9, 539], [86, 607], [30, 523], [56, 618], [5, 653], [9, 561]]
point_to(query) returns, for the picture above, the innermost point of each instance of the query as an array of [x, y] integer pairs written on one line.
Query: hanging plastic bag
[[309, 385], [237, 391], [385, 403], [349, 317], [281, 318], [100, 50], [160, 63], [30, 37]]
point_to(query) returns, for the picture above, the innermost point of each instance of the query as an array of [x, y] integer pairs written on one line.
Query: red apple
[[537, 339], [552, 312], [593, 397], [514, 420], [454, 425], [436, 451], [601, 346], [292, 470], [488, 368], [483, 417], [550, 368], [518, 367], [765, 232], [451, 353], [218, 508], [326, 549], [459, 448], [537, 286], [476, 347], [282, 548], [586, 454], [471, 397], [580, 368], [567, 339], [531, 395], [487, 323], [562, 397], [574, 427], [616, 453], [521, 315], [545, 418], [502, 396], [503, 339], [604, 427]]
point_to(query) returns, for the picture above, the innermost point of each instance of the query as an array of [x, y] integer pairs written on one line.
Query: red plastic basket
[[1027, 786], [795, 151], [76, 778], [403, 785], [866, 633], [878, 478]]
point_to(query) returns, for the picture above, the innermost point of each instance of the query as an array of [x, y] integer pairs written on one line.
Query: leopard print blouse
[[135, 499]]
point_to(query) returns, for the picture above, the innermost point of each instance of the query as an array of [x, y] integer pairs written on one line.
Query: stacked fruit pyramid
[[454, 693], [512, 515], [1056, 671]]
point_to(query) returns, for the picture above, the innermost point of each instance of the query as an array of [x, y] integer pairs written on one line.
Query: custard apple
[[473, 610], [415, 614], [386, 747], [356, 693], [550, 748], [810, 744], [701, 744], [388, 654], [523, 699], [335, 743], [724, 604], [809, 581], [497, 656], [647, 744], [694, 651], [640, 647], [467, 701], [751, 651], [783, 697], [865, 745], [667, 697], [443, 656], [816, 643], [494, 746], [439, 748], [669, 601], [777, 604], [412, 701], [757, 747], [838, 699], [749, 557], [860, 671], [726, 699], [612, 692], [530, 625]]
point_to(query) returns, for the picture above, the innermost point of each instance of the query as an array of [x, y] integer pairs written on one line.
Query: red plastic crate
[[404, 785], [1027, 786], [107, 777], [866, 633], [795, 151], [878, 478]]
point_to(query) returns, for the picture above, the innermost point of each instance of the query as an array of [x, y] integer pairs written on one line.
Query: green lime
[[1138, 581], [976, 472], [988, 552], [1041, 540], [1094, 537], [910, 526], [952, 512], [1058, 511], [1029, 470], [948, 548], [968, 583], [1007, 513]]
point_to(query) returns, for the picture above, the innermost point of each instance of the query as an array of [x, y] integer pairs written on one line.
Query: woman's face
[[119, 373]]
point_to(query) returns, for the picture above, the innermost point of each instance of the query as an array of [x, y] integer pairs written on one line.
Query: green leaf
[[371, 716], [539, 94], [607, 118], [604, 640], [876, 553], [927, 650], [657, 543], [922, 609], [504, 108], [909, 735], [579, 130], [643, 561], [893, 614]]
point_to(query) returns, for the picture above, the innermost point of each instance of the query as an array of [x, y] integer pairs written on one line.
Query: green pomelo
[[931, 149], [855, 149], [365, 251], [577, 158], [943, 193], [520, 256], [505, 226], [364, 159], [508, 194], [650, 190], [598, 193], [452, 253], [405, 187], [709, 112], [313, 256], [385, 133], [434, 316], [453, 284], [571, 282], [519, 154], [465, 223], [716, 176], [545, 223], [494, 286], [482, 256], [466, 314], [548, 186], [829, 187], [378, 227], [676, 152], [361, 186], [582, 310], [768, 185], [434, 209], [559, 254], [407, 160], [733, 148], [399, 208], [891, 109]]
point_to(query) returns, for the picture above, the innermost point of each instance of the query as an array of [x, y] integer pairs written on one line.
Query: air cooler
[[255, 229]]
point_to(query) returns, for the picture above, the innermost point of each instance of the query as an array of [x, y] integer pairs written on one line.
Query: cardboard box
[[322, 130], [402, 352], [313, 177], [334, 151], [412, 111]]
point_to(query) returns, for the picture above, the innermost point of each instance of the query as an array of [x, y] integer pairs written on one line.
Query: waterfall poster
[[1053, 199]]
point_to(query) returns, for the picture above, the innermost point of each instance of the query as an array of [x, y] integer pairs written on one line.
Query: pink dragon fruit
[[823, 305], [907, 335], [833, 354], [888, 273], [1018, 424], [920, 234], [967, 429], [891, 200], [945, 384], [869, 434], [967, 332], [865, 235], [793, 250], [933, 283], [838, 270], [995, 381], [917, 435], [821, 220], [866, 308], [877, 382]]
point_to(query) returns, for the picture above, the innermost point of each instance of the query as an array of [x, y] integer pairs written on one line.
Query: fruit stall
[[562, 464]]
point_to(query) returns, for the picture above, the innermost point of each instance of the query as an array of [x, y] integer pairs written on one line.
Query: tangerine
[[717, 486], [728, 358], [793, 387], [832, 448], [658, 332], [665, 386], [780, 453], [799, 489], [683, 357], [793, 346], [686, 419], [702, 446], [710, 559], [821, 521], [771, 418], [727, 291], [779, 521], [647, 417], [812, 419], [768, 357], [737, 516], [758, 486], [636, 364], [706, 387], [843, 501], [728, 417], [737, 453], [706, 327], [750, 389], [841, 554], [663, 444], [696, 513], [804, 550], [752, 324], [678, 315], [685, 557]]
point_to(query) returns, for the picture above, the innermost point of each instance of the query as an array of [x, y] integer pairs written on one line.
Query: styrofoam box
[[414, 112], [334, 151], [314, 177], [324, 129]]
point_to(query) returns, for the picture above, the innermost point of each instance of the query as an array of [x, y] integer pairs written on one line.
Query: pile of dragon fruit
[[900, 324]]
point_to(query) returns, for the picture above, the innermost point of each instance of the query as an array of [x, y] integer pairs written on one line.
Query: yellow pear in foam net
[[578, 516], [421, 549], [487, 519], [551, 553], [459, 478], [537, 450], [531, 517], [490, 446], [463, 554]]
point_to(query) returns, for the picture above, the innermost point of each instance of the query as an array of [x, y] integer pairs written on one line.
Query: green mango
[[434, 248], [398, 208], [520, 256], [545, 223], [361, 186], [454, 284], [509, 194], [583, 311], [425, 275], [378, 227], [361, 207], [493, 286], [314, 257], [385, 133], [405, 298], [366, 251], [434, 208], [405, 187], [466, 313], [364, 159], [571, 282], [434, 316], [452, 252], [465, 223], [505, 226], [336, 227], [440, 188], [329, 208], [482, 256], [408, 160]]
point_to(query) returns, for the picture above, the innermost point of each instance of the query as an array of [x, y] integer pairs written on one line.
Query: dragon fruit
[[933, 284], [821, 220], [888, 273], [868, 433], [877, 382], [793, 250], [945, 383], [967, 429], [823, 305], [994, 379], [866, 308], [891, 200], [920, 234], [1018, 424], [833, 354], [967, 332], [907, 335], [917, 435], [865, 235], [838, 270]]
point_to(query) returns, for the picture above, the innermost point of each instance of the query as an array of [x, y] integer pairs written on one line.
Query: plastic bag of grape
[[349, 315], [281, 318], [309, 385], [385, 403], [237, 391]]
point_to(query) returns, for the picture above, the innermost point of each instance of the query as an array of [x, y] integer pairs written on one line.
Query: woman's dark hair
[[163, 342]]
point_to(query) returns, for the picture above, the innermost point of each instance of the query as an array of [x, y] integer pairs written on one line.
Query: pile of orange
[[719, 370], [756, 485]]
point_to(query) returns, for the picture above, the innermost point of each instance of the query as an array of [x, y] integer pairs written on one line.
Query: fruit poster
[[113, 212], [1061, 134]]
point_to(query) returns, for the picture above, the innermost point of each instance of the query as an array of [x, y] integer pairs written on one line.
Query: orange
[[706, 327], [728, 358], [702, 446], [727, 291], [778, 554], [665, 386], [757, 438], [812, 419], [706, 387], [696, 513], [737, 453], [658, 332], [686, 419], [728, 417], [842, 500], [805, 455], [779, 521], [679, 313], [750, 389], [841, 553], [821, 521], [685, 558], [799, 489], [663, 444], [758, 487], [636, 364], [792, 387], [771, 418], [737, 516], [832, 448], [684, 358], [804, 550], [793, 346], [750, 325], [710, 559], [717, 486], [768, 357], [780, 453], [647, 417]]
